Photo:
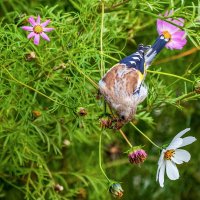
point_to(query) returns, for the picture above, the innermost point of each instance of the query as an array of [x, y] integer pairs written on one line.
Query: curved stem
[[100, 160], [145, 135], [101, 38], [168, 74], [180, 55], [87, 77], [29, 87], [124, 136]]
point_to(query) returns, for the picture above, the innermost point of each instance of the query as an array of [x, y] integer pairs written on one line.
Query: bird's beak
[[158, 45]]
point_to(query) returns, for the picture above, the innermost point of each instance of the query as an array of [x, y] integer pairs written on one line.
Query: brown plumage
[[121, 87]]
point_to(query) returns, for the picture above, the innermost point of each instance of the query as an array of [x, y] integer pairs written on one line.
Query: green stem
[[172, 75], [100, 161], [160, 17], [29, 87], [101, 39], [145, 135], [185, 96], [87, 77], [116, 5], [115, 59], [104, 107]]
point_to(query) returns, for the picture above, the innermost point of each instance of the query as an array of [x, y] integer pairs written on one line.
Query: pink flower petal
[[45, 23], [27, 28], [48, 29], [30, 35], [160, 26], [169, 27], [166, 13], [179, 34], [38, 20], [31, 20], [45, 36], [179, 21], [180, 41], [171, 12], [170, 45], [37, 39], [176, 44]]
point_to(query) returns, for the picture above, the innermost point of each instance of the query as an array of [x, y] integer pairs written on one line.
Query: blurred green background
[[46, 144]]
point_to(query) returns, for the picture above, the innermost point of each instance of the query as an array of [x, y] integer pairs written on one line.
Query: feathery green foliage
[[43, 138]]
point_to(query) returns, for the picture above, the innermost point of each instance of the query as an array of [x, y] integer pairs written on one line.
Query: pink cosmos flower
[[137, 155], [37, 29], [175, 34]]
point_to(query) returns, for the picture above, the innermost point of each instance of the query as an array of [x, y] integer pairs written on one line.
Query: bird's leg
[[99, 95]]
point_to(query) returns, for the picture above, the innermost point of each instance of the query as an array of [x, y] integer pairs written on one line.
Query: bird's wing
[[119, 80]]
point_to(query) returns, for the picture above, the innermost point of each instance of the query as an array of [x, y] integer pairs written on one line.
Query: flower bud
[[30, 56], [66, 143], [197, 87], [58, 188], [116, 190], [105, 122], [36, 113], [20, 20], [82, 194], [81, 111], [137, 155]]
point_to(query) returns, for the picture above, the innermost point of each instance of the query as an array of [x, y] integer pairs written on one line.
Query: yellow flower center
[[168, 154], [38, 29], [166, 34]]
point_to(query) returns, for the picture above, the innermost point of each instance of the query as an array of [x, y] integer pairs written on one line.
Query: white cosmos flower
[[172, 155]]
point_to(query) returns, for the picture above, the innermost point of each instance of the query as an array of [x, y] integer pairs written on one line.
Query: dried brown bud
[[60, 66], [58, 188], [36, 113], [105, 122], [20, 20], [114, 151], [30, 56], [81, 111], [197, 87], [82, 194]]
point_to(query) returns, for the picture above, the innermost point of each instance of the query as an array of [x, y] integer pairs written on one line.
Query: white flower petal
[[181, 133], [188, 140], [160, 162], [183, 155], [175, 144], [161, 159], [161, 174], [176, 160], [172, 171], [157, 173]]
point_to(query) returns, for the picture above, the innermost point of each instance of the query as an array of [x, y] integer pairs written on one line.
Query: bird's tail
[[158, 45]]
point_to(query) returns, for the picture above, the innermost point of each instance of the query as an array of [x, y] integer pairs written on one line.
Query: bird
[[123, 85]]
